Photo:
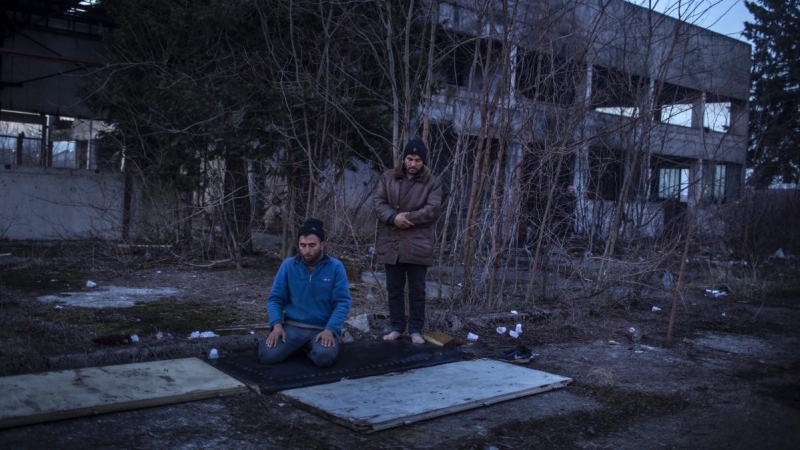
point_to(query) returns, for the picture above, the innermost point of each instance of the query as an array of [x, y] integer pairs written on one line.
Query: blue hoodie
[[315, 300]]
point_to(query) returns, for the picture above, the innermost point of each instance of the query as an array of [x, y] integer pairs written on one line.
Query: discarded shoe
[[520, 355]]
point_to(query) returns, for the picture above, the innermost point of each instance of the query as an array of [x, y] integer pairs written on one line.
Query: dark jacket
[[421, 197]]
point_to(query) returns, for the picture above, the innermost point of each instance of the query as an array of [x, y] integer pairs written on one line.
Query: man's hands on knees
[[276, 333], [326, 338]]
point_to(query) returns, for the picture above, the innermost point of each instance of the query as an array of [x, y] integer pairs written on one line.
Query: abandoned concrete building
[[645, 115]]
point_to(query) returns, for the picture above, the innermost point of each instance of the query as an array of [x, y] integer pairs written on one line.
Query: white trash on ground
[[472, 336], [518, 328], [134, 338], [716, 293], [91, 283], [513, 334], [501, 330], [656, 309], [204, 334], [514, 312], [213, 354]]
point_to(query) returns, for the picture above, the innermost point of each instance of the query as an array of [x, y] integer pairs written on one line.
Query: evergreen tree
[[775, 105]]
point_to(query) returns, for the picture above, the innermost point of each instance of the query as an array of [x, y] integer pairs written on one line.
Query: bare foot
[[391, 336], [417, 339]]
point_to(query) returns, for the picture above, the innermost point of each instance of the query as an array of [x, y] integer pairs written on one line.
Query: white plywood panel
[[376, 403], [48, 396]]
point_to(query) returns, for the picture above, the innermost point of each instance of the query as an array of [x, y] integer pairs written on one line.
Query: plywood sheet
[[49, 396], [376, 403]]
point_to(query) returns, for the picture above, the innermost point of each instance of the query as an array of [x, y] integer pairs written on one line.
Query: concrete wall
[[47, 203]]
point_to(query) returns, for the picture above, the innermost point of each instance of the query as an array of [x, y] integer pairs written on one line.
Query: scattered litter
[[518, 329], [161, 336], [213, 354], [638, 351], [513, 334], [780, 254], [91, 283], [134, 338], [158, 271], [514, 312], [611, 342], [281, 404], [632, 330], [204, 334], [59, 307], [501, 330], [723, 314], [656, 309], [252, 332], [472, 336], [647, 347], [716, 293]]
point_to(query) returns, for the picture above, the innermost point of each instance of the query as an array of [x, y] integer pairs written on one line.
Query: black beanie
[[416, 147], [312, 226]]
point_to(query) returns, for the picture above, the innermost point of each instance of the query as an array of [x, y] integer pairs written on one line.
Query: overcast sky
[[723, 16]]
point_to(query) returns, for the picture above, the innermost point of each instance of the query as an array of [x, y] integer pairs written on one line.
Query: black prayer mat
[[357, 359]]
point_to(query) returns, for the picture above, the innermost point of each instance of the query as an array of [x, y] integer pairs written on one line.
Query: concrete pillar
[[699, 111], [580, 172], [739, 117], [695, 185]]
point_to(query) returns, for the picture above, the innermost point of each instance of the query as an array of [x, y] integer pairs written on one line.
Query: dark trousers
[[396, 276]]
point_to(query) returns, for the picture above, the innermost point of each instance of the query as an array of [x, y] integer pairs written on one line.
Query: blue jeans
[[296, 339], [396, 275]]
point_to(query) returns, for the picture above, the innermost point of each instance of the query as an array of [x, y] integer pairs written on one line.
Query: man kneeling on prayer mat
[[308, 304]]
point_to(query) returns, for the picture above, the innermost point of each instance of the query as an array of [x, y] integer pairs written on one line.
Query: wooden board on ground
[[65, 394], [438, 338], [377, 403]]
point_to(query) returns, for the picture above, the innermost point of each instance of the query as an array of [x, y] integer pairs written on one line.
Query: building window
[[721, 182], [546, 78], [717, 116], [672, 183], [605, 174], [459, 55], [616, 92], [31, 154], [64, 154]]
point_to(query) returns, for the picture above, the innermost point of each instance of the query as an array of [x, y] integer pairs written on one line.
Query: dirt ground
[[729, 379]]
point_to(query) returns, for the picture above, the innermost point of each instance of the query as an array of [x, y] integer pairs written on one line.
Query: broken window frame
[[606, 173], [457, 52], [670, 179], [546, 77]]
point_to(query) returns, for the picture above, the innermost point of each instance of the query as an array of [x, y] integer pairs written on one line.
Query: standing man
[[407, 203], [308, 304]]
